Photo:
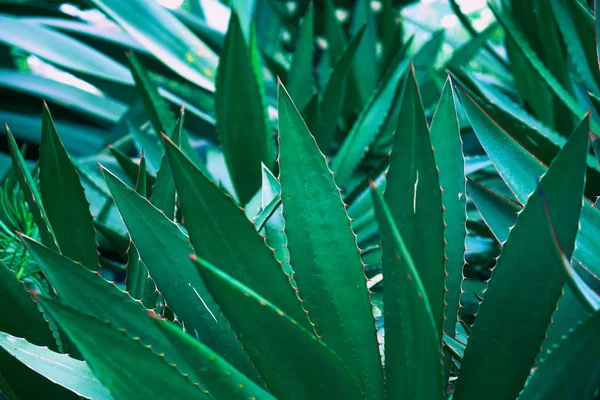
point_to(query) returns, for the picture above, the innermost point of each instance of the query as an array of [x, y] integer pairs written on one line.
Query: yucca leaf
[[449, 159], [29, 322], [365, 65], [161, 117], [140, 182], [138, 282], [130, 167], [336, 38], [101, 109], [520, 170], [119, 369], [156, 107], [334, 94], [415, 198], [369, 123], [165, 251], [312, 113], [570, 370], [300, 78], [242, 120], [163, 191], [57, 48], [320, 242], [274, 227], [597, 24], [495, 348], [31, 192], [221, 233], [568, 23], [413, 345], [220, 378], [59, 368], [108, 303], [64, 199], [498, 212], [286, 368], [532, 59], [164, 36]]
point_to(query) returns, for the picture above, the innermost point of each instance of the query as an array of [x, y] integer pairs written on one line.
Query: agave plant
[[322, 253]]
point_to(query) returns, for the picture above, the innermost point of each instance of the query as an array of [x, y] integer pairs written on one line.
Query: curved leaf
[[65, 371], [164, 36]]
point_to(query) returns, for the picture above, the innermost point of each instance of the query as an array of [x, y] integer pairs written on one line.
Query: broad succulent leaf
[[222, 234], [413, 345], [165, 251], [59, 369], [494, 347], [415, 198], [242, 122], [64, 199], [287, 360], [158, 379], [320, 242]]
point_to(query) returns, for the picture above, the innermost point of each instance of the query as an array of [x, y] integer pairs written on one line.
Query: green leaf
[[332, 102], [32, 195], [495, 348], [58, 49], [129, 166], [530, 57], [99, 108], [449, 159], [140, 182], [369, 123], [242, 120], [415, 198], [300, 78], [65, 371], [138, 282], [64, 199], [165, 251], [29, 322], [597, 31], [566, 18], [120, 368], [336, 38], [285, 368], [221, 233], [158, 111], [221, 379], [320, 242], [520, 170], [498, 212], [570, 371], [412, 346], [365, 64], [163, 191], [164, 36]]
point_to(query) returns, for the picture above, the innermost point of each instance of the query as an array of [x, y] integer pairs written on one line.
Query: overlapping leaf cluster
[[301, 230]]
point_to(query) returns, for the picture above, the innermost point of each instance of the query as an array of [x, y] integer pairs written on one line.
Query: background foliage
[[260, 141]]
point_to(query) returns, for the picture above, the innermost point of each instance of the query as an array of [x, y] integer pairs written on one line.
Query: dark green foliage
[[379, 230]]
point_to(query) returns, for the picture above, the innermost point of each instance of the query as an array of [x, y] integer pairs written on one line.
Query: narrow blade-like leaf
[[412, 346], [323, 251], [495, 348], [288, 359]]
